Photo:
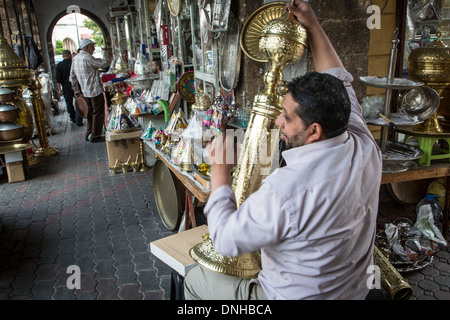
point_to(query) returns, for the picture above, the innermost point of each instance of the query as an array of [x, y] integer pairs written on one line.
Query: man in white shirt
[[313, 220], [86, 81]]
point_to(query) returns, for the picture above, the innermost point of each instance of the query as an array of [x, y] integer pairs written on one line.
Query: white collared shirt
[[313, 220]]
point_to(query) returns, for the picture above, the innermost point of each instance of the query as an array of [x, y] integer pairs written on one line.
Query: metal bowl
[[142, 82], [11, 131], [8, 112], [420, 102]]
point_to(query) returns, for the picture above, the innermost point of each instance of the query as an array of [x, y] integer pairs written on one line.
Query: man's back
[[85, 67], [63, 71]]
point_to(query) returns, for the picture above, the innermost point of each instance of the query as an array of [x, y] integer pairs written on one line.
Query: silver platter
[[396, 167], [397, 119], [142, 82], [396, 84], [397, 151], [230, 62]]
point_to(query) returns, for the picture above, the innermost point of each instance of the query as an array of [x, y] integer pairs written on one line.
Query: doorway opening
[[70, 30]]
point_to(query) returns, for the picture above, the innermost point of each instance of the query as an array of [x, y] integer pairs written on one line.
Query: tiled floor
[[71, 211]]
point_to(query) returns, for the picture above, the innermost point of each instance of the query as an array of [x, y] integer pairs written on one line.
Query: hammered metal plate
[[251, 31], [174, 7], [230, 63]]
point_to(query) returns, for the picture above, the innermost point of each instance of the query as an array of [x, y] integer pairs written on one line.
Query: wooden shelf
[[436, 170]]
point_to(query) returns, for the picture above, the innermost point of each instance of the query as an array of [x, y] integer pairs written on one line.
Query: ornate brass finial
[[13, 70]]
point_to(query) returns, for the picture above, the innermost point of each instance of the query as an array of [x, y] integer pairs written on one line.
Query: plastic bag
[[425, 223]]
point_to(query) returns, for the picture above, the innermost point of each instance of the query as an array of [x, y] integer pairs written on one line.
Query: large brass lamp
[[281, 41], [15, 75]]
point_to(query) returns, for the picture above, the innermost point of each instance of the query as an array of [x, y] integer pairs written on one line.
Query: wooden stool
[[15, 166], [174, 251]]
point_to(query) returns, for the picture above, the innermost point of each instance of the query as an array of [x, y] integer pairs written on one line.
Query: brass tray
[[246, 266], [166, 196], [14, 148], [230, 63], [251, 31]]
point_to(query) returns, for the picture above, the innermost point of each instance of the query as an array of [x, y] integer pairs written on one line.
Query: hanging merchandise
[[186, 86], [142, 66], [165, 35], [220, 14], [34, 55]]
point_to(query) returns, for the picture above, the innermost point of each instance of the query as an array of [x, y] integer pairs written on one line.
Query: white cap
[[85, 42]]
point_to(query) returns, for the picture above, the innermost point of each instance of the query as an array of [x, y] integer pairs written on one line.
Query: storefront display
[[200, 43]]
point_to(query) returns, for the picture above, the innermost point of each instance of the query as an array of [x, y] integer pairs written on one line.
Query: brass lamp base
[[246, 266], [46, 152], [431, 125]]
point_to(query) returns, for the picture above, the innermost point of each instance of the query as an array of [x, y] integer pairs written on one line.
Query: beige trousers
[[203, 284]]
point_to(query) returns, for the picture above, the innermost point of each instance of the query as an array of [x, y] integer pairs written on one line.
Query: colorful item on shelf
[[159, 138], [147, 135], [176, 121], [186, 86], [177, 152], [207, 119]]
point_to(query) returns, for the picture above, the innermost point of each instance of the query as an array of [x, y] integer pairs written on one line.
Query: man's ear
[[315, 133]]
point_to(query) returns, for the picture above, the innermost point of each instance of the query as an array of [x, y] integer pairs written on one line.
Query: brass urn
[[15, 75], [431, 65]]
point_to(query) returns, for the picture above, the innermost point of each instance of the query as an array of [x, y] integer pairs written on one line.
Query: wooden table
[[434, 171]]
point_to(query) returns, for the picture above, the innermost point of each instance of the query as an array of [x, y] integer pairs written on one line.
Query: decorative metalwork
[[281, 42]]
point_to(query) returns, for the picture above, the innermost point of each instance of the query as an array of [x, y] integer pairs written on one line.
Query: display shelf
[[188, 179]]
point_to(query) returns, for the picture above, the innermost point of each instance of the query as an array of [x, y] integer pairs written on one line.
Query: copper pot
[[6, 95], [8, 112], [11, 131]]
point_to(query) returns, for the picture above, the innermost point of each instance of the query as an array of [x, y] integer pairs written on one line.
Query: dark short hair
[[66, 53], [158, 62], [323, 99]]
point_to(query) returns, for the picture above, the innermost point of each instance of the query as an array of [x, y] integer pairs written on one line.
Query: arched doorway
[[90, 15]]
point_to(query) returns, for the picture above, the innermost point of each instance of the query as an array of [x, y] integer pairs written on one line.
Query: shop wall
[[345, 24]]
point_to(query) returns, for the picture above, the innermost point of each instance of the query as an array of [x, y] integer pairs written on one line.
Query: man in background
[[86, 81], [65, 86], [156, 65]]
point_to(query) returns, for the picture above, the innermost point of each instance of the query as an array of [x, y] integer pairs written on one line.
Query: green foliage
[[97, 34], [59, 47]]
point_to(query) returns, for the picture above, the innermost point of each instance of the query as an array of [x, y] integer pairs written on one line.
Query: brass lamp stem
[[38, 107]]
